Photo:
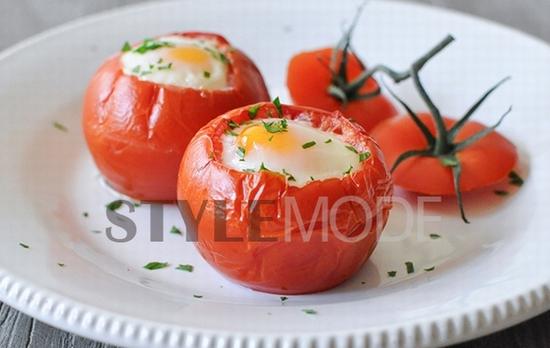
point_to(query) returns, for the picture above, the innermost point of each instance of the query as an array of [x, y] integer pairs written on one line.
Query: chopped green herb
[[328, 141], [276, 126], [24, 245], [501, 193], [155, 265], [392, 274], [283, 298], [232, 124], [197, 296], [241, 152], [61, 264], [434, 236], [289, 176], [114, 205], [410, 267], [151, 44], [253, 111], [515, 179], [249, 170], [308, 144], [175, 230], [136, 69], [364, 156], [145, 72], [85, 214], [96, 231], [217, 55], [351, 148], [270, 138], [429, 269], [137, 204], [349, 170], [309, 311], [230, 132], [186, 268], [126, 47], [165, 67], [60, 127], [311, 178], [160, 61], [206, 74], [277, 103], [263, 167]]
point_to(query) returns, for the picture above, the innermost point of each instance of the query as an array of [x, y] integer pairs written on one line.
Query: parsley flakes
[[410, 267], [155, 265], [185, 268], [278, 106], [253, 111], [308, 144], [175, 230], [276, 126], [60, 127]]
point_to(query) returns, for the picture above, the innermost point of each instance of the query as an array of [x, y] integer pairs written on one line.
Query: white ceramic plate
[[489, 275]]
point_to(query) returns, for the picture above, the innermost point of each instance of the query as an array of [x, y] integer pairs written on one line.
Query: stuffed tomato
[[144, 105], [284, 199]]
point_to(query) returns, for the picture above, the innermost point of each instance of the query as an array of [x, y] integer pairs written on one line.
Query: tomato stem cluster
[[443, 144]]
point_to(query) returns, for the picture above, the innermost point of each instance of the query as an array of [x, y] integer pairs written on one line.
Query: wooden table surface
[[22, 18]]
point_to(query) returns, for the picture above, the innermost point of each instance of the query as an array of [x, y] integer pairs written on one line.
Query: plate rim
[[103, 325]]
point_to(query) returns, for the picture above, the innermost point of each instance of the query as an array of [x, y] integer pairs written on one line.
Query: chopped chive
[[349, 170], [410, 267], [277, 103], [263, 167], [85, 214], [126, 47], [351, 148], [114, 205], [160, 61], [429, 269], [155, 265], [270, 138], [60, 126], [206, 74], [145, 72], [136, 69], [501, 193], [311, 178], [308, 144], [364, 156], [61, 264], [166, 67], [249, 170], [241, 152], [185, 268], [23, 245], [276, 126], [151, 44], [232, 124], [197, 296], [230, 132], [515, 179], [289, 176], [253, 111], [309, 311], [434, 236], [175, 230], [392, 274], [283, 298], [328, 141]]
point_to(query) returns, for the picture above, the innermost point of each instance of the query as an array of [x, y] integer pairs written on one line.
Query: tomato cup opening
[[268, 235], [137, 130]]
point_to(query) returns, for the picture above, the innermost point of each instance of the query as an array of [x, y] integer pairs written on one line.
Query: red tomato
[[137, 131], [278, 266], [309, 77], [485, 162]]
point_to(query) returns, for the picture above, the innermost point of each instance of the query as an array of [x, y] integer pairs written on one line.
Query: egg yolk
[[257, 136], [191, 54]]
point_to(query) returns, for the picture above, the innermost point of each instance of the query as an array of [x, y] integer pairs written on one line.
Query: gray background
[[22, 18]]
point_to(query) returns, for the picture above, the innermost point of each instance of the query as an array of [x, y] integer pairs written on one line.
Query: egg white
[[330, 157], [158, 66]]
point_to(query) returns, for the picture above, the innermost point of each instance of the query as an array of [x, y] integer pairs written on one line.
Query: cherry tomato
[[309, 77], [285, 266], [484, 163], [137, 131]]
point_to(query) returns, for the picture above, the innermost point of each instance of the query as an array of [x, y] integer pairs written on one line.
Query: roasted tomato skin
[[294, 266], [486, 162], [308, 79], [137, 131]]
